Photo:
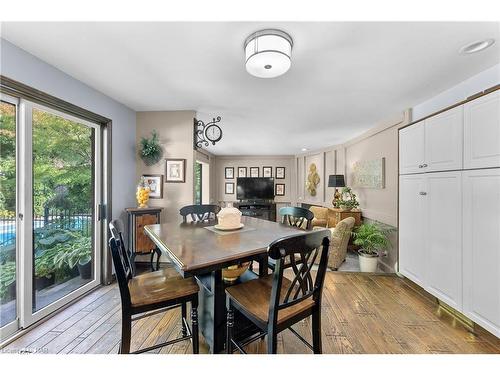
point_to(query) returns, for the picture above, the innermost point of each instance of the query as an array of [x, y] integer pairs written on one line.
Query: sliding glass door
[[56, 256], [9, 321]]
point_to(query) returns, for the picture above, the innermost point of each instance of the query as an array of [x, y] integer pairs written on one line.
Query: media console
[[260, 210]]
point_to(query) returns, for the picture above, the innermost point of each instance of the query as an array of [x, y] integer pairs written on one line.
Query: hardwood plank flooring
[[361, 314]]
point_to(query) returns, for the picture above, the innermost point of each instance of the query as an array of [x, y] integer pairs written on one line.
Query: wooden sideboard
[[336, 215], [139, 242]]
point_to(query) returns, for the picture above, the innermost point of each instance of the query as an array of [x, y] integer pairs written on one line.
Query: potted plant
[[78, 254], [150, 149], [372, 238], [348, 200], [7, 281], [45, 268]]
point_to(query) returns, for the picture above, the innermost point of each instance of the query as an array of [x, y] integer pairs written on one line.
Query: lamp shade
[[336, 180], [268, 53]]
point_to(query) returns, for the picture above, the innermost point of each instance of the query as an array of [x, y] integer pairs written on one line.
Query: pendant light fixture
[[268, 53]]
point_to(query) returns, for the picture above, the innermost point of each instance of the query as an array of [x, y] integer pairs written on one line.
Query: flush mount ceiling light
[[268, 53], [476, 46]]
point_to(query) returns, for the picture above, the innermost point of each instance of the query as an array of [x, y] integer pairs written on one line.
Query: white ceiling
[[345, 76]]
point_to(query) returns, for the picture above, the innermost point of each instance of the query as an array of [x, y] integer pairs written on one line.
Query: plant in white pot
[[373, 240]]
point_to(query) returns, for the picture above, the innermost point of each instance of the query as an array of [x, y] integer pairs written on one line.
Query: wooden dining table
[[198, 249]]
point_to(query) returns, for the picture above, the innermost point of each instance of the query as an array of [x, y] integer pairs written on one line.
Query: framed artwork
[[267, 171], [229, 187], [175, 170], [155, 182], [254, 171], [229, 173], [280, 173], [280, 190], [242, 171], [369, 174]]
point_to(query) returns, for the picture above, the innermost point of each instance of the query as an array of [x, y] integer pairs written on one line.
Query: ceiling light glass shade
[[268, 53]]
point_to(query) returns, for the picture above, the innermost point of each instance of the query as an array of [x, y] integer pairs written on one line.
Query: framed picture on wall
[[242, 171], [229, 188], [229, 173], [280, 173], [267, 171], [280, 190], [254, 171], [175, 170], [155, 183]]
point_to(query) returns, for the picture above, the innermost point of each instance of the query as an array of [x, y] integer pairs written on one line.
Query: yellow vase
[[142, 196]]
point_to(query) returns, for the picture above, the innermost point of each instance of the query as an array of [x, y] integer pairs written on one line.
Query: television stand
[[265, 210]]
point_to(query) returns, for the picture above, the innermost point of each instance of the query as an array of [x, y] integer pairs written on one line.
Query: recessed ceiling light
[[476, 46], [303, 149]]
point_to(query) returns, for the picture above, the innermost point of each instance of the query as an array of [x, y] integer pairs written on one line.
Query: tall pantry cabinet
[[449, 207]]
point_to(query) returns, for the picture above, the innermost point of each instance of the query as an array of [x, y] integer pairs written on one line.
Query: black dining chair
[[273, 302], [199, 212], [295, 217], [151, 293]]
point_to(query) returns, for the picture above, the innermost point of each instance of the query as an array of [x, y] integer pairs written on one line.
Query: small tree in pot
[[373, 240]]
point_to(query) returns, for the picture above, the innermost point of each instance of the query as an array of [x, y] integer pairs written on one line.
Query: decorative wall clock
[[204, 134]]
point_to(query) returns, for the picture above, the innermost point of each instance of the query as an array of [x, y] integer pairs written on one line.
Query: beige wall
[[175, 129], [256, 161], [380, 142], [376, 204]]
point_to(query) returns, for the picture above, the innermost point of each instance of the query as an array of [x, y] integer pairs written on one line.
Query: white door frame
[[27, 316], [10, 328]]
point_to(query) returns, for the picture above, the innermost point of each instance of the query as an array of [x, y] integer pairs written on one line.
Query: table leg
[[212, 312]]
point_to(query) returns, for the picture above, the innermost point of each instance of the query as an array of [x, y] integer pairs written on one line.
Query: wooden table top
[[195, 249]]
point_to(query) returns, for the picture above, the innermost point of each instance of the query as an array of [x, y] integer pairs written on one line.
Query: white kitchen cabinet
[[482, 132], [412, 248], [444, 141], [443, 218], [412, 148], [481, 244]]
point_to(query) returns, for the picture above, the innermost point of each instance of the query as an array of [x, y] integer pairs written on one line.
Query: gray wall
[[21, 66], [175, 129]]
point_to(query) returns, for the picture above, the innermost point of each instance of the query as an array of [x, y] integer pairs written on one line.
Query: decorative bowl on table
[[230, 274]]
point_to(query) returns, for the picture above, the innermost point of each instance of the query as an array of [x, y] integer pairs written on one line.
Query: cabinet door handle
[[423, 193]]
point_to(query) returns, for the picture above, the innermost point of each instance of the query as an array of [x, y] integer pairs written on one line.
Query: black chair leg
[[152, 260], [194, 326], [158, 253], [229, 330], [316, 331], [183, 318], [126, 334]]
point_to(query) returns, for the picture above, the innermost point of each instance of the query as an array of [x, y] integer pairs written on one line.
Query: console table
[[259, 210], [139, 243]]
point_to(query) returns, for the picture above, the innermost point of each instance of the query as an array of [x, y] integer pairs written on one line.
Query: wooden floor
[[361, 314]]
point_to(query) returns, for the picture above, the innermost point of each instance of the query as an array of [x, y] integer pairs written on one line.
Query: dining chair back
[[298, 253], [199, 212], [277, 301], [151, 293], [124, 270], [296, 217]]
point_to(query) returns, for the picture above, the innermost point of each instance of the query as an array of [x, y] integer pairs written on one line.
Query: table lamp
[[336, 181]]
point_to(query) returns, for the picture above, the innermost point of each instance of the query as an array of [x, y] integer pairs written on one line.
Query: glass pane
[[63, 201], [8, 283]]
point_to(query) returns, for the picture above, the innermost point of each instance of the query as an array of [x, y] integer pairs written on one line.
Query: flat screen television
[[254, 188]]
